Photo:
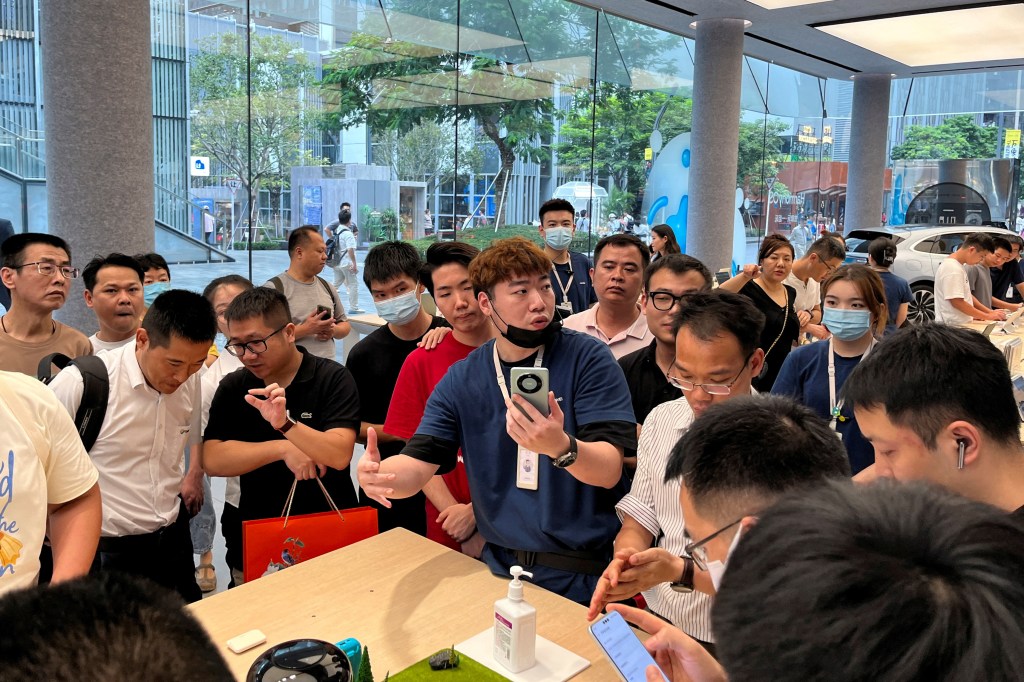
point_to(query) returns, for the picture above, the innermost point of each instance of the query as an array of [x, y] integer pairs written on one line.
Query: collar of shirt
[[637, 330], [132, 368]]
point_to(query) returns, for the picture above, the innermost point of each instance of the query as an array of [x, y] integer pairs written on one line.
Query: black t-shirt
[[322, 396], [780, 323], [648, 386], [1006, 277], [375, 363]]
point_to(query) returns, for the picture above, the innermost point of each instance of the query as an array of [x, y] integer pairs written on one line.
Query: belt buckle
[[526, 559]]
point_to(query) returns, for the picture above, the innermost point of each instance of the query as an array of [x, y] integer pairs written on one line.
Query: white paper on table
[[554, 663]]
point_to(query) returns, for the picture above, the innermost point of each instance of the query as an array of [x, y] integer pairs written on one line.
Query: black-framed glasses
[[697, 551], [255, 347], [710, 389], [664, 301], [48, 269]]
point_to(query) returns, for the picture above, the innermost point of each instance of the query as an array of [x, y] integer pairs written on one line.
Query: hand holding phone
[[531, 384], [323, 311], [623, 648]]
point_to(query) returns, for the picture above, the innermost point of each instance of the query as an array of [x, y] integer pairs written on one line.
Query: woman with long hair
[[855, 312], [764, 285], [663, 242]]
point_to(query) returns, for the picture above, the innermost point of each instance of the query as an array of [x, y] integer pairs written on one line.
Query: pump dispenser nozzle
[[515, 588]]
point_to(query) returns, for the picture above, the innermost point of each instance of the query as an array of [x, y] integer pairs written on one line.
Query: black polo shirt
[[648, 386], [1008, 276], [322, 396]]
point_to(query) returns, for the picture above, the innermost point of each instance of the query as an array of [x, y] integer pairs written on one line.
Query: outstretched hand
[[374, 484]]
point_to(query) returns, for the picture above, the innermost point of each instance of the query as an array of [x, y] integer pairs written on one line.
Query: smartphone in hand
[[323, 311], [623, 648], [531, 384]]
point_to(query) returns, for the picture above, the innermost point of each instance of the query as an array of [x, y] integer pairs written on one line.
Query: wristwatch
[[568, 458], [685, 583], [288, 423]]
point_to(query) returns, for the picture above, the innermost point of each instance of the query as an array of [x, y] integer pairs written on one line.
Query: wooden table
[[400, 594]]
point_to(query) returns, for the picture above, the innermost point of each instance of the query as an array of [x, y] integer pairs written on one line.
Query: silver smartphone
[[531, 383], [622, 647]]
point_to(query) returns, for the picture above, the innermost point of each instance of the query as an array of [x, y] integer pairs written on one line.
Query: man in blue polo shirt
[[544, 488], [571, 280]]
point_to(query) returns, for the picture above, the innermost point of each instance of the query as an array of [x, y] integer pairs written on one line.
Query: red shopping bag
[[271, 545]]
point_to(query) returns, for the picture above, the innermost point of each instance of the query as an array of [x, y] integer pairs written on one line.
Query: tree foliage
[[760, 150], [959, 137], [619, 132], [427, 153], [221, 89]]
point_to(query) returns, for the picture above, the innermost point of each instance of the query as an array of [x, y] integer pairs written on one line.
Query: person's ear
[[484, 302], [141, 339], [756, 362], [87, 295], [747, 522], [957, 435]]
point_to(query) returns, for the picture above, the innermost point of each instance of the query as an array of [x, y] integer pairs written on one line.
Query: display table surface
[[400, 594]]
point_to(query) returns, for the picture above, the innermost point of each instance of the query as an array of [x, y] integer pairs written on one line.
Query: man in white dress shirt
[[153, 413], [717, 356]]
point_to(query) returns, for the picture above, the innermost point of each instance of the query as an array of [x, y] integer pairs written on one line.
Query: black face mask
[[529, 338]]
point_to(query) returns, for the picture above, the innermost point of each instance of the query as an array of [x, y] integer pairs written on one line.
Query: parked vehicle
[[919, 250]]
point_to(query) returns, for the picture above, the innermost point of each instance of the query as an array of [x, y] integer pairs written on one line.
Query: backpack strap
[[278, 284], [95, 391]]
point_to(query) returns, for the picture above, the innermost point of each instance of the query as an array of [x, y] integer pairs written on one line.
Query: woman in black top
[[763, 284]]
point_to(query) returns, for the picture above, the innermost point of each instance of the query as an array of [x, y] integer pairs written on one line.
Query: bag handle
[[287, 511]]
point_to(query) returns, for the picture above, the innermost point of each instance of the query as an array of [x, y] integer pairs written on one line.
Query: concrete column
[[99, 132], [714, 141], [869, 128]]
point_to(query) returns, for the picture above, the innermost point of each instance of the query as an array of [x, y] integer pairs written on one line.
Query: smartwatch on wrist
[[685, 582], [288, 423], [569, 458]]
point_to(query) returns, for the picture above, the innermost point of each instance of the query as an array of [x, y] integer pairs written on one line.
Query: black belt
[[585, 562], [132, 543]]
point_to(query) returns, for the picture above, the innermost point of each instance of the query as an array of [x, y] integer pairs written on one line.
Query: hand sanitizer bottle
[[515, 627]]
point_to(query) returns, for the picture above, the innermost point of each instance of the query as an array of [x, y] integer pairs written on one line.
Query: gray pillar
[[99, 132], [717, 78], [869, 130]]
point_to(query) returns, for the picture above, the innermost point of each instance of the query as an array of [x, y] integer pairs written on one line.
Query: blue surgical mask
[[152, 290], [847, 325], [558, 238], [401, 309]]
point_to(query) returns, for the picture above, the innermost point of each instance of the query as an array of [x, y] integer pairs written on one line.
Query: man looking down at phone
[[543, 486], [716, 355], [316, 309], [288, 415], [937, 403]]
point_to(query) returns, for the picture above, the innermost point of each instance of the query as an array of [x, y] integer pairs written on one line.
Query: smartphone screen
[[620, 644], [324, 311], [1018, 393]]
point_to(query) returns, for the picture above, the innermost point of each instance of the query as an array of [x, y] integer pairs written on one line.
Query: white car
[[919, 250]]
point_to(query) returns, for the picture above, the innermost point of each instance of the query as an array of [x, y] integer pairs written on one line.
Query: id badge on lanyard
[[527, 461]]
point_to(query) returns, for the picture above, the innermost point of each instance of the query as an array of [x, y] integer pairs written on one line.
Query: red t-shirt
[[420, 374]]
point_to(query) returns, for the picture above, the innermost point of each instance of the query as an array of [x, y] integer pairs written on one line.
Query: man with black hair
[[716, 357], [937, 404], [106, 627], [1007, 280], [571, 271], [392, 274], [156, 277], [113, 290], [954, 303], [37, 269], [153, 413], [820, 260], [343, 257], [667, 281], [288, 417], [617, 320], [898, 297], [449, 508], [317, 312], [920, 584], [980, 276]]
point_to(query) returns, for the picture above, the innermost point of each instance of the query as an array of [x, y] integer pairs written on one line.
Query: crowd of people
[[746, 532]]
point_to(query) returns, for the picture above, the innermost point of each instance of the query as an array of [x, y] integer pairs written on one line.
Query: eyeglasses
[[710, 389], [665, 301], [697, 551], [47, 269], [255, 347]]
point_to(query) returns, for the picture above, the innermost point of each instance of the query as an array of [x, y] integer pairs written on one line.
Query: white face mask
[[716, 568], [558, 238], [401, 309]]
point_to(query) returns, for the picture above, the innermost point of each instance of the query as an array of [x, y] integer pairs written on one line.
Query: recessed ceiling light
[[932, 38], [779, 4]]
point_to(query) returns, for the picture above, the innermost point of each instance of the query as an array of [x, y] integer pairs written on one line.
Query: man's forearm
[[633, 535], [382, 437], [235, 457], [438, 493], [74, 530], [411, 475], [342, 329], [332, 448], [598, 463], [966, 308]]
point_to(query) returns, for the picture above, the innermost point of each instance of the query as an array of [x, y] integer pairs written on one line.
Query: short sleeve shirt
[[42, 462], [648, 386], [345, 240], [804, 377], [951, 284], [1005, 280], [420, 373], [303, 298], [574, 278], [19, 356], [979, 278], [781, 329], [808, 294], [897, 292], [636, 336], [322, 396], [467, 408]]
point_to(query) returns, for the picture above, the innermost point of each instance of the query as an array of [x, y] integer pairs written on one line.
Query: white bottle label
[[502, 638]]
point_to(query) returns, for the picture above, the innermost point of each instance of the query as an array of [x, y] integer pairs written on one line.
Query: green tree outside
[[959, 137]]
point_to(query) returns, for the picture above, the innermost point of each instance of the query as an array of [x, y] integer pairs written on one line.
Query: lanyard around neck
[[564, 287], [501, 375], [834, 408]]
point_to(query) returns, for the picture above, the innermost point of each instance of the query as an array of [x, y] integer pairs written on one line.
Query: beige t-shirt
[[18, 356], [42, 462]]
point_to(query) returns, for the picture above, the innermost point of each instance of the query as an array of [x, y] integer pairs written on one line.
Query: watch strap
[[288, 424], [570, 456], [685, 582]]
